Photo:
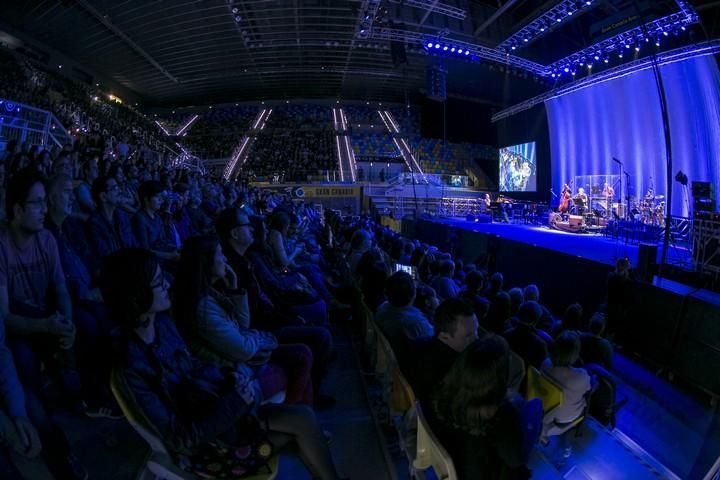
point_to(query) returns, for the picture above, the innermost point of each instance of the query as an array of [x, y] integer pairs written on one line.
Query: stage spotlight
[[445, 48], [637, 47], [514, 47], [542, 29], [238, 18], [647, 40], [235, 10], [467, 52], [559, 19], [452, 49], [430, 44], [620, 55], [665, 33], [573, 73], [460, 50], [683, 28], [589, 66], [566, 69], [606, 60], [657, 42], [588, 2], [570, 13], [437, 45], [525, 40], [627, 45], [597, 57]]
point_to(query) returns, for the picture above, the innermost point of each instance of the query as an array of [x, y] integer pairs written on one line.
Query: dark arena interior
[[359, 239]]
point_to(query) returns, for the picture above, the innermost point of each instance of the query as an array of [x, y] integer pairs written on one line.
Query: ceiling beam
[[504, 8], [129, 41]]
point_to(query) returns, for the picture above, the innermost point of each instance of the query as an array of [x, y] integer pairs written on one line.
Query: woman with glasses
[[156, 364]]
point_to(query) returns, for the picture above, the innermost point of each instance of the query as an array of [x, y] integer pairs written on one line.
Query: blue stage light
[[559, 19], [513, 47], [437, 45], [460, 50], [627, 45], [566, 69], [430, 44], [525, 40], [665, 33], [597, 57], [620, 55], [445, 48], [467, 52]]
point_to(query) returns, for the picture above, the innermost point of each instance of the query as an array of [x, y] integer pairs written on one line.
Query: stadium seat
[[160, 464], [541, 387], [430, 453]]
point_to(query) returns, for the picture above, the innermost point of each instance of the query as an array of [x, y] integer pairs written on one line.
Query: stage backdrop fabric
[[621, 118]]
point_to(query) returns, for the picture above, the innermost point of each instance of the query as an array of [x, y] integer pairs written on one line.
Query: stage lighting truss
[[366, 18], [639, 37], [464, 50], [433, 6], [678, 55], [546, 23]]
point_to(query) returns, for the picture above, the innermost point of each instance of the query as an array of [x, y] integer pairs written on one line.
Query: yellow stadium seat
[[430, 453], [539, 386], [159, 462]]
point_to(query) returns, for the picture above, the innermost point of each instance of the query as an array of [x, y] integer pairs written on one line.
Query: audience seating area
[[217, 131], [374, 145], [435, 158]]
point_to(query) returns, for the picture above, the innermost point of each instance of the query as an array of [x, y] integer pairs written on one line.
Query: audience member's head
[[360, 241], [150, 194], [456, 324], [516, 298], [529, 313], [475, 281], [202, 263], [400, 289], [566, 349], [133, 286], [531, 293], [446, 268], [597, 324], [496, 281], [572, 318], [426, 300], [60, 196], [279, 221], [622, 267], [234, 227], [475, 387], [26, 201], [105, 192]]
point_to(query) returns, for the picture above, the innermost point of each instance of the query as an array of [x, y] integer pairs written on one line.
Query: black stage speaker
[[397, 53], [437, 83], [647, 261]]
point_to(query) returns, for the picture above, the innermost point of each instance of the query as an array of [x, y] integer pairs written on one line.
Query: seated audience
[[108, 228], [546, 321], [399, 320], [574, 382], [36, 308], [594, 348], [523, 337], [444, 284], [426, 301], [213, 313], [153, 360], [148, 225], [428, 359], [472, 416]]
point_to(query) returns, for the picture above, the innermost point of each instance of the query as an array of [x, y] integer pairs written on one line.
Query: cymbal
[[659, 197]]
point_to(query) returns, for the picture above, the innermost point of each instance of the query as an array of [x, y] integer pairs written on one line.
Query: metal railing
[[32, 126]]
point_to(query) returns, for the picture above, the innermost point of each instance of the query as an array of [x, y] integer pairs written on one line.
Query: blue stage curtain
[[621, 118]]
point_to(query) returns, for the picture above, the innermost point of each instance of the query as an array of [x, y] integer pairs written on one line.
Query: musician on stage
[[609, 194], [581, 200]]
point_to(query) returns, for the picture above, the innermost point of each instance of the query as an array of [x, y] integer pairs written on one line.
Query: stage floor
[[591, 246]]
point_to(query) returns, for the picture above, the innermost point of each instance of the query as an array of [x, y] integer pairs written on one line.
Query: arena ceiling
[[184, 52]]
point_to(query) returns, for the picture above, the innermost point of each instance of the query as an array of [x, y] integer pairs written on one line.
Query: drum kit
[[650, 210]]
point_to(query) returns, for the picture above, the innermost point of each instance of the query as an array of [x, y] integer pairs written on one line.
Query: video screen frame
[[517, 168]]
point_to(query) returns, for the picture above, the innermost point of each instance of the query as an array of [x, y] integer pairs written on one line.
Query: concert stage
[[673, 326]]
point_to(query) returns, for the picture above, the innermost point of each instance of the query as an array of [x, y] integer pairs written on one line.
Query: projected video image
[[517, 168]]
